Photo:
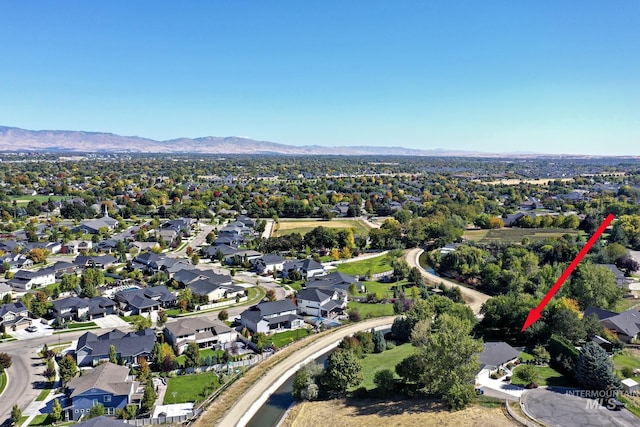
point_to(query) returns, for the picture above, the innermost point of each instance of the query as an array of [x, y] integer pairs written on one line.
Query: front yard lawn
[[191, 388], [378, 361], [626, 359], [82, 325], [368, 310], [547, 376]]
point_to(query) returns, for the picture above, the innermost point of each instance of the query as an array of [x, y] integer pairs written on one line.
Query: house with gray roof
[[626, 324], [272, 316], [14, 317], [25, 280], [80, 309], [93, 349], [146, 300], [204, 332], [215, 291], [335, 281], [495, 355], [308, 268], [320, 302], [268, 263], [108, 384]]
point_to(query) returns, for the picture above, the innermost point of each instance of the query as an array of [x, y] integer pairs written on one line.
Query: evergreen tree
[[16, 414], [149, 397], [67, 368], [594, 369], [56, 411], [192, 355], [113, 355]]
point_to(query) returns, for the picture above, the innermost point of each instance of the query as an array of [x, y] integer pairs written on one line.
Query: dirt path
[[250, 395], [407, 413], [473, 298]]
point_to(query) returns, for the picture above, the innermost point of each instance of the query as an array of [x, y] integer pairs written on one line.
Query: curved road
[[473, 298], [252, 397]]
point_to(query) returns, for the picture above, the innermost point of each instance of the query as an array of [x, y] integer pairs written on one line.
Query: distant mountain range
[[16, 139]]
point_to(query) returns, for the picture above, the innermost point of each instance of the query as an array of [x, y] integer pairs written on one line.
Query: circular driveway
[[554, 407]]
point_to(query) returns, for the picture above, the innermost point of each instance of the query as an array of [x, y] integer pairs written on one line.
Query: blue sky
[[497, 76]]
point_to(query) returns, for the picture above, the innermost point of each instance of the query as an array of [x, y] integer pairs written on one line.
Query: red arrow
[[535, 313]]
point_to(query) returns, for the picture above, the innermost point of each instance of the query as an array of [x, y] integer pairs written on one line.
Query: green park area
[[285, 226], [515, 235], [368, 310], [374, 265]]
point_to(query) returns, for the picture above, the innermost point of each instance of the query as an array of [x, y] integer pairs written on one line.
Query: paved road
[[555, 408], [473, 298], [252, 398], [198, 240]]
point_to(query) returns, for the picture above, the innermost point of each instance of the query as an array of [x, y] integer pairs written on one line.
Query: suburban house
[[626, 324], [98, 261], [190, 275], [25, 280], [320, 302], [495, 355], [15, 262], [139, 301], [93, 226], [240, 256], [335, 281], [74, 247], [205, 333], [108, 384], [4, 290], [211, 252], [268, 263], [621, 279], [80, 309], [308, 268], [179, 225], [215, 291], [93, 349], [14, 317], [271, 316]]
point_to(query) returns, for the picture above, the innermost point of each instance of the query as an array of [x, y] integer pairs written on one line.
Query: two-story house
[[14, 317], [206, 333], [74, 247], [320, 302], [109, 385], [25, 280], [271, 316]]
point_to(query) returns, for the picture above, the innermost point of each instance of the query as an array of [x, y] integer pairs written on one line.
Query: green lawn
[[383, 289], [82, 325], [374, 265], [24, 199], [281, 339], [304, 226], [626, 359], [377, 361], [191, 388], [524, 356], [515, 235], [40, 420], [625, 304], [3, 381], [547, 376], [372, 310], [45, 392], [203, 353]]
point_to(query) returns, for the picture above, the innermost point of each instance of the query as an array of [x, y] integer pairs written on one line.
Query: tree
[[67, 368], [144, 370], [96, 411], [449, 362], [149, 397], [271, 295], [162, 317], [421, 333], [141, 323], [69, 282], [384, 381], [195, 259], [415, 276], [16, 414], [5, 361], [223, 315], [160, 352], [343, 370], [335, 254], [305, 385], [593, 285], [56, 411], [527, 374], [37, 255], [379, 343], [192, 355], [113, 355], [594, 369]]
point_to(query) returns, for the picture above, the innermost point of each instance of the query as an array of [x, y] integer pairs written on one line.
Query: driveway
[[556, 408], [110, 321], [43, 331]]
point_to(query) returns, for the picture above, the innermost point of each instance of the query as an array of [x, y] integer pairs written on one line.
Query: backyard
[[546, 376], [281, 339], [374, 265], [368, 310], [627, 359], [190, 388]]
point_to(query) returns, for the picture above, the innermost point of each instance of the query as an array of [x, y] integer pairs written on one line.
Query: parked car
[[31, 328], [615, 405], [479, 390]]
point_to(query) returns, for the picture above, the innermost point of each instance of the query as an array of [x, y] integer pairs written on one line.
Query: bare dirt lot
[[408, 413]]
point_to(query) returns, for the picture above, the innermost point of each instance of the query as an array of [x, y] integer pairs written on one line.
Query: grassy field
[[387, 359], [383, 289], [285, 226], [627, 358], [191, 388], [383, 412], [372, 310], [515, 235], [547, 376], [24, 199], [373, 265]]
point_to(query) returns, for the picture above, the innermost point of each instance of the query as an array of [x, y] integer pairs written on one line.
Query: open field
[[372, 310], [378, 361], [515, 235], [190, 388], [378, 264], [406, 413], [289, 226], [25, 199]]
